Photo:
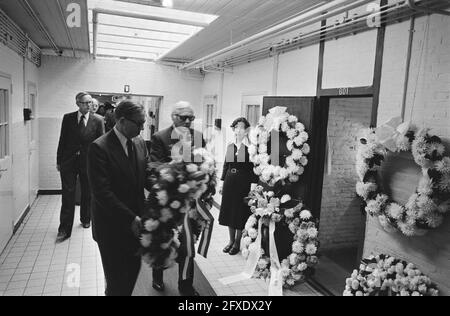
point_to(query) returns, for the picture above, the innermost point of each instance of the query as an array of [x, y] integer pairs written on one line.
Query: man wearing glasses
[[176, 143], [117, 169], [79, 129]]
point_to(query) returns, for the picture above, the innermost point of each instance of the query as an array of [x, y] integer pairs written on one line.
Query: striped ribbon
[[203, 209]]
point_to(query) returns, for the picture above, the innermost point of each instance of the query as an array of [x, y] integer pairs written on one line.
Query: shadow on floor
[[334, 267], [144, 283]]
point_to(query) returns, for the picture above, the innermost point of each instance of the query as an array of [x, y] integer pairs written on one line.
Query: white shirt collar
[[86, 116], [123, 140], [244, 142]]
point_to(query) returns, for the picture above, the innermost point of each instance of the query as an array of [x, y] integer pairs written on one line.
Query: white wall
[[431, 96], [12, 64], [62, 78]]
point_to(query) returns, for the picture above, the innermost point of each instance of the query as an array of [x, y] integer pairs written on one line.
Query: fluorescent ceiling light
[[138, 29]]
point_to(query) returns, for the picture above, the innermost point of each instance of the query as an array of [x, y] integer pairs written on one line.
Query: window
[[209, 121], [32, 106], [253, 113], [4, 125]]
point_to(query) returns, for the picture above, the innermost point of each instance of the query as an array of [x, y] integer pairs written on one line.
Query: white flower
[[247, 241], [183, 188], [302, 266], [175, 205], [443, 166], [305, 214], [291, 134], [444, 183], [364, 189], [151, 225], [252, 150], [311, 249], [395, 211], [292, 119], [290, 145], [191, 168], [299, 126], [296, 154], [252, 221], [253, 233], [290, 161], [297, 247], [284, 127], [162, 197], [262, 149], [306, 149], [262, 264], [285, 198], [312, 232], [304, 161], [146, 240], [293, 178], [298, 140], [304, 136], [293, 259], [289, 213]]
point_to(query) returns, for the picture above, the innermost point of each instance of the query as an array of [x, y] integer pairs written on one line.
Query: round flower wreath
[[279, 120], [176, 187], [425, 209], [301, 262], [384, 275]]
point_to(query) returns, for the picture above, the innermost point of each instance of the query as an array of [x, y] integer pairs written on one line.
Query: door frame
[[32, 142], [7, 160]]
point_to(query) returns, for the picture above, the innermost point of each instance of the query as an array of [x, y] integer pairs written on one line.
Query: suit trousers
[[121, 267], [69, 176]]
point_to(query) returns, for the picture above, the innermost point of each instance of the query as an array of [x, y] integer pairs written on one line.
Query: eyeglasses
[[85, 103], [186, 117], [138, 124]]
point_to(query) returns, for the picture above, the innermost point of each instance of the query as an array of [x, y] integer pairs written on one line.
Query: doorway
[[342, 221], [6, 190], [33, 156], [151, 103]]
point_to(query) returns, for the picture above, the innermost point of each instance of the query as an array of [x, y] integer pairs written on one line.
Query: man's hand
[[136, 227], [58, 167]]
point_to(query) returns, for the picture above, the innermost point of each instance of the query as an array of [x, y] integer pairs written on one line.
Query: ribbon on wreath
[[203, 209], [275, 117], [276, 279], [392, 132]]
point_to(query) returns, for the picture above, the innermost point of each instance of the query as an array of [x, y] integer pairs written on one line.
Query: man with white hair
[[177, 143], [94, 106]]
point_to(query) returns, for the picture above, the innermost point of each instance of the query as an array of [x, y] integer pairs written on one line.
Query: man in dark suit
[[117, 166], [177, 143], [79, 129]]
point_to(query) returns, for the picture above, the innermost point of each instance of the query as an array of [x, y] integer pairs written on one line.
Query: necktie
[[131, 155], [81, 125]]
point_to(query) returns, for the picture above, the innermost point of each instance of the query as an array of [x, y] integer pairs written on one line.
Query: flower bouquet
[[176, 187], [384, 275], [288, 213]]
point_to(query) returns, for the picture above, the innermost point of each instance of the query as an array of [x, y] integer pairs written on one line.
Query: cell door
[[33, 143], [6, 192]]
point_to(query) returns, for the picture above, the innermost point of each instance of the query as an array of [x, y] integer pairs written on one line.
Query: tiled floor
[[32, 264]]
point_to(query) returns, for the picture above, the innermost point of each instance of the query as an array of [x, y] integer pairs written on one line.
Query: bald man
[[176, 143]]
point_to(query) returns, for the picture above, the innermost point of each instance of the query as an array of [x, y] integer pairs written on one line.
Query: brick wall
[[340, 217]]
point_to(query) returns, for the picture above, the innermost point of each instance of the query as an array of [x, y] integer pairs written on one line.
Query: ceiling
[[237, 19]]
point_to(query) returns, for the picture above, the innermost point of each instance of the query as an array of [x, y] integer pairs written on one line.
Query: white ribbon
[[276, 280], [251, 264], [275, 117], [392, 132]]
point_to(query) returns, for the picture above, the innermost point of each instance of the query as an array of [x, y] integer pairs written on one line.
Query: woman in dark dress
[[237, 176]]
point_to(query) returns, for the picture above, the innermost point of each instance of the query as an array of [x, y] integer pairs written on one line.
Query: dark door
[[315, 118]]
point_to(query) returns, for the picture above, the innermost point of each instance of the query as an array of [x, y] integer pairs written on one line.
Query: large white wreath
[[425, 209], [279, 120]]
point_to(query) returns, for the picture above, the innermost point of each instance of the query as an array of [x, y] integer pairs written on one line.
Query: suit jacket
[[117, 192], [72, 142], [162, 143]]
